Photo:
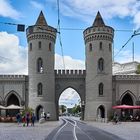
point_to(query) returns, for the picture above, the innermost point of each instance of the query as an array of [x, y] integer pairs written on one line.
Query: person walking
[[18, 117], [32, 119], [48, 115], [27, 119]]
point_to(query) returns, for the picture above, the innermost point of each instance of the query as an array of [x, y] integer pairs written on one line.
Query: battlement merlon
[[14, 77], [126, 77], [70, 73]]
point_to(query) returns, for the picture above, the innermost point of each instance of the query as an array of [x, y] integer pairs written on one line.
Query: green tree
[[27, 110], [63, 108], [138, 69], [76, 109]]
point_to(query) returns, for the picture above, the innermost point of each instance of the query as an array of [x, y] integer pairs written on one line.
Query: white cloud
[[69, 62], [14, 61], [37, 5], [126, 56], [69, 98], [86, 10], [13, 58], [6, 10]]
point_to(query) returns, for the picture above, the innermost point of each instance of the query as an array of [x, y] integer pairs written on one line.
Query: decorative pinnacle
[[98, 22], [41, 19]]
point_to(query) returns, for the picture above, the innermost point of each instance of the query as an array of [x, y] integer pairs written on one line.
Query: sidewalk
[[13, 131], [125, 130]]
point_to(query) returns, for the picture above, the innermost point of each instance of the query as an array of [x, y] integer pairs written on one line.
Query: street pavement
[[124, 130], [76, 130]]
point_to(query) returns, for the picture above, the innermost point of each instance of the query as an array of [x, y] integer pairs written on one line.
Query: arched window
[[101, 89], [101, 46], [30, 47], [39, 45], [109, 47], [101, 64], [39, 89], [50, 47], [90, 47], [40, 65]]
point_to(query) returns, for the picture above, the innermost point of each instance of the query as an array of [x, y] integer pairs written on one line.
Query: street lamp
[[82, 110]]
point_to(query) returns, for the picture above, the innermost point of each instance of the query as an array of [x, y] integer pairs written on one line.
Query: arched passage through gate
[[70, 103]]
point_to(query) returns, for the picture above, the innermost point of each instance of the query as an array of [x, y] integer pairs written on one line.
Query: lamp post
[[82, 109]]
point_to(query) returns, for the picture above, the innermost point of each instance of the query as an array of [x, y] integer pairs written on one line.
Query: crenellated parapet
[[98, 33], [13, 77], [41, 32], [70, 73], [126, 77]]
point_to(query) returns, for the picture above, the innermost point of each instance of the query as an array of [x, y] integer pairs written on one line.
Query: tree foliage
[[76, 109], [63, 108], [138, 69]]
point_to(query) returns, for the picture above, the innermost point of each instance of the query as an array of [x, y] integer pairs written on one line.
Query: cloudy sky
[[122, 15]]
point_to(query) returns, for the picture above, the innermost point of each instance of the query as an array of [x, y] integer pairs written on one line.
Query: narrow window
[[39, 89], [109, 47], [90, 47], [101, 64], [50, 47], [101, 89], [40, 65], [39, 45], [101, 46], [30, 47]]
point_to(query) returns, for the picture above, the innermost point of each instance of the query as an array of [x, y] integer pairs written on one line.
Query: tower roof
[[98, 22], [41, 19]]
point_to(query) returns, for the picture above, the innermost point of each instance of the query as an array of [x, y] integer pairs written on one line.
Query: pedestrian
[[33, 119], [48, 115], [24, 120], [45, 116], [27, 119], [116, 118], [18, 117]]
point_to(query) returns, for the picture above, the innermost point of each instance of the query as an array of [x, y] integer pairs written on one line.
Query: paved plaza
[[125, 130], [13, 131]]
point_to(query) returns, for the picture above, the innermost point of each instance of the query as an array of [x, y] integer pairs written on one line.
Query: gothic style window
[[101, 46], [39, 89], [101, 64], [109, 47], [40, 65], [101, 89], [90, 47], [50, 47], [30, 47], [39, 45]]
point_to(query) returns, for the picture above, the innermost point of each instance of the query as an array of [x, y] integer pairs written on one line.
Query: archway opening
[[39, 110], [70, 103], [12, 99], [101, 112], [127, 100]]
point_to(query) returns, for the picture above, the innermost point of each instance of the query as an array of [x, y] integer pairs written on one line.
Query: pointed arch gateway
[[71, 80], [12, 98], [127, 98], [39, 110], [69, 98], [101, 112]]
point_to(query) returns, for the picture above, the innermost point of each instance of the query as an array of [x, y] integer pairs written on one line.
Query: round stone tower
[[41, 41], [98, 47]]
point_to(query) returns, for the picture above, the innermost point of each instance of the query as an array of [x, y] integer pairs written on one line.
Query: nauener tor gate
[[69, 79]]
